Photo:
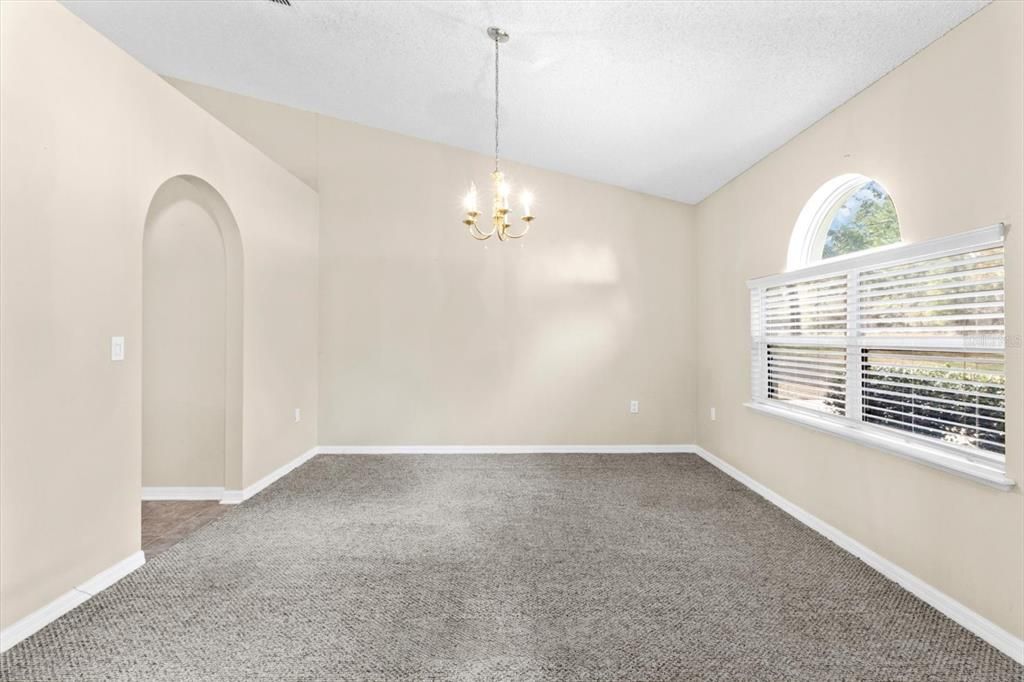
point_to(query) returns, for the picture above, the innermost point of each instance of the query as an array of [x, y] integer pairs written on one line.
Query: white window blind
[[905, 341]]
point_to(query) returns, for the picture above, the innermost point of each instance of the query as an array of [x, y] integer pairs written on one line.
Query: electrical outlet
[[634, 407], [714, 415], [298, 415]]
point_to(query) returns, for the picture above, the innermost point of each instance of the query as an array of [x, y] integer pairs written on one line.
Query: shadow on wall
[[192, 338]]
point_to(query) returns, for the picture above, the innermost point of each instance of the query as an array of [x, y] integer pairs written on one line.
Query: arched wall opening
[[192, 339]]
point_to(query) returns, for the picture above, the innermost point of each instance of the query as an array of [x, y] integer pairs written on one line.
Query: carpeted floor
[[597, 567]]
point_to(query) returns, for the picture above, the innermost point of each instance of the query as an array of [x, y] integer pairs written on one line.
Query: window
[[865, 220], [846, 215], [901, 347]]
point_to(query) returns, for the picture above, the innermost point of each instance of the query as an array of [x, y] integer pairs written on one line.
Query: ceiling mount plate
[[498, 35]]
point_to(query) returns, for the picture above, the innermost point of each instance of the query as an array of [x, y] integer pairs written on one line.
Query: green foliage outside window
[[867, 219]]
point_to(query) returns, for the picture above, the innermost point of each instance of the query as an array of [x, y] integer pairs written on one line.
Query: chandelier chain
[[496, 104], [500, 209]]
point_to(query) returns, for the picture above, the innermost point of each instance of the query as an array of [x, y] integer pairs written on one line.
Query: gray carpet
[[597, 567]]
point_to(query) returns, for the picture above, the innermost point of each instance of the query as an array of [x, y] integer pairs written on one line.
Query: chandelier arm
[[521, 234], [475, 232]]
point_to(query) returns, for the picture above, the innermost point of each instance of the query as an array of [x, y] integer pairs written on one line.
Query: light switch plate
[[117, 348]]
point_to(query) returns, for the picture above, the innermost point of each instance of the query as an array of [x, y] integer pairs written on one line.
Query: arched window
[[847, 214]]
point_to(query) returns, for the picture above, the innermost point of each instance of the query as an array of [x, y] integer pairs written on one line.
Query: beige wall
[[943, 133], [184, 338], [87, 135], [428, 337], [286, 135]]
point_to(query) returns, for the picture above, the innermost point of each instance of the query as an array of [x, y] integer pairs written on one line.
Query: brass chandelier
[[500, 225]]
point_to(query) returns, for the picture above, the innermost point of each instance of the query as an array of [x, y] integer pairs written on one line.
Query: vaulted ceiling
[[669, 98]]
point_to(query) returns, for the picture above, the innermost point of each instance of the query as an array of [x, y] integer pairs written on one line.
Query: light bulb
[[503, 190], [469, 202], [526, 198]]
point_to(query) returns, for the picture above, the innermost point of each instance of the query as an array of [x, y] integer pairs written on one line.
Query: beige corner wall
[[286, 135], [943, 133], [87, 135], [428, 337]]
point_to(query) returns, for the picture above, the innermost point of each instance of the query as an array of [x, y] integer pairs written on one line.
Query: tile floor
[[166, 523]]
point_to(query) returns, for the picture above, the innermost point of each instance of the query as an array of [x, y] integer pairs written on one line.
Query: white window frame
[[926, 450], [811, 228]]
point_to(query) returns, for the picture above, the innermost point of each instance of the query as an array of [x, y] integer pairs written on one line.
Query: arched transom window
[[848, 214]]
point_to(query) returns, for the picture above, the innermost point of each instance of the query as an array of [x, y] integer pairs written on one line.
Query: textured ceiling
[[673, 99]]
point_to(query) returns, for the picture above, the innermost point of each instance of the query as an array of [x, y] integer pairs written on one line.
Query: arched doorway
[[191, 352]]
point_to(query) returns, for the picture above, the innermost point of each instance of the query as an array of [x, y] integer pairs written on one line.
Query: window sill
[[933, 456]]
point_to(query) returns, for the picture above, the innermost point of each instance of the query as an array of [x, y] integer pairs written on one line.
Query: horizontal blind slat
[[952, 405], [969, 297], [936, 433], [977, 288], [964, 263], [964, 277]]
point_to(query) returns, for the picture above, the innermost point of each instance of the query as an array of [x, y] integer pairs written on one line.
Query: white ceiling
[[669, 98]]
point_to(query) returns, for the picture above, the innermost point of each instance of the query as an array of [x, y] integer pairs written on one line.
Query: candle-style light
[[526, 198], [500, 188], [469, 203]]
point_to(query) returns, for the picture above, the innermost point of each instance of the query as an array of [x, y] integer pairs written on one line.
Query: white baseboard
[[233, 497], [1006, 642], [152, 493], [239, 496], [37, 620], [501, 449]]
